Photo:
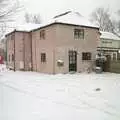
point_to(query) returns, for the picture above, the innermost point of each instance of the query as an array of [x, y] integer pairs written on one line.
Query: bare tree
[[118, 22], [119, 12], [102, 18], [2, 30], [8, 8], [119, 26], [32, 18]]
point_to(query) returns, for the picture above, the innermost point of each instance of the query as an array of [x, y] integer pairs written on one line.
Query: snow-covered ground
[[35, 96]]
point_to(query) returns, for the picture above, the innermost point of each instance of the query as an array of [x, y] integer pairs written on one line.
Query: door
[[106, 66], [72, 61]]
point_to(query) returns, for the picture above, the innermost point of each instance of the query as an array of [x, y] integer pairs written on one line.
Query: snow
[[23, 27], [27, 27], [118, 34], [60, 61], [36, 96], [3, 68], [74, 18], [109, 36]]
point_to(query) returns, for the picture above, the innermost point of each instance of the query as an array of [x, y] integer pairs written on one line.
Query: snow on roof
[[70, 17], [74, 18], [108, 35], [24, 27], [27, 27], [118, 34]]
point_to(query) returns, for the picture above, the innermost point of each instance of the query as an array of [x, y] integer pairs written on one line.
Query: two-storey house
[[66, 43]]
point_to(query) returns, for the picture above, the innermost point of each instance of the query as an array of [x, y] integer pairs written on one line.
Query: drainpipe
[[14, 53], [24, 50], [6, 53], [35, 56], [31, 53], [54, 62]]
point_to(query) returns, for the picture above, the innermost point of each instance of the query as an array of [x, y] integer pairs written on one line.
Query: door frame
[[72, 55]]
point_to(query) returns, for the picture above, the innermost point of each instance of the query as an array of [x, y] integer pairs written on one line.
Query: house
[[109, 44], [18, 47], [2, 48], [66, 43]]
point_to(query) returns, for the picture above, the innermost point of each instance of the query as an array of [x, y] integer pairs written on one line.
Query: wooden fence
[[115, 66]]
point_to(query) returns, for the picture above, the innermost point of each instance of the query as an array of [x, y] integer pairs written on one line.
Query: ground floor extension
[[63, 60]]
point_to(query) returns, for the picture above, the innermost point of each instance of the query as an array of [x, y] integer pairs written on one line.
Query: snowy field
[[35, 96]]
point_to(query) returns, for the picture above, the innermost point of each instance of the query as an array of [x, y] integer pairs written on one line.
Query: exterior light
[[118, 51]]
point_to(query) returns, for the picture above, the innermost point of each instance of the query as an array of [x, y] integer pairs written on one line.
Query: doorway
[[72, 61]]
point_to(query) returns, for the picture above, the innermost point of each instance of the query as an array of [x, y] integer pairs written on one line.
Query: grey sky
[[49, 8]]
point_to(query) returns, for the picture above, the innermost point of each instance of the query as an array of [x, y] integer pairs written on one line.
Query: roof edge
[[50, 25], [16, 31], [109, 39], [64, 24]]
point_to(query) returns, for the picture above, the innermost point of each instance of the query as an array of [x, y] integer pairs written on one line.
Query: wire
[[7, 26]]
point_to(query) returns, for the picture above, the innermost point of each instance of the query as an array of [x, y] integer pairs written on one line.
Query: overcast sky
[[49, 8]]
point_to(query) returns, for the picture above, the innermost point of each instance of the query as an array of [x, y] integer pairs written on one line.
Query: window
[[106, 42], [12, 57], [43, 57], [79, 33], [86, 56], [42, 34], [114, 56]]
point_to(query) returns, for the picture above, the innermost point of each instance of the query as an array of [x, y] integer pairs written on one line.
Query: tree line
[[103, 18], [100, 16]]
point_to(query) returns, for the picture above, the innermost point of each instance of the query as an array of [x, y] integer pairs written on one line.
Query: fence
[[115, 66]]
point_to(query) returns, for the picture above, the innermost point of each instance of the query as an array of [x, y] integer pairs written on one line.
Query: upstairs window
[[42, 34], [86, 56], [43, 57], [79, 33]]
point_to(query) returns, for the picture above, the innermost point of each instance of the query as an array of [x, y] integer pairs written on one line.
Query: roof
[[118, 34], [69, 18], [74, 18], [23, 28], [27, 27], [109, 36]]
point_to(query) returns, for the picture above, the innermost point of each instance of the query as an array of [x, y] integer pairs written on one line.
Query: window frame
[[86, 56], [79, 33], [42, 34], [43, 57]]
